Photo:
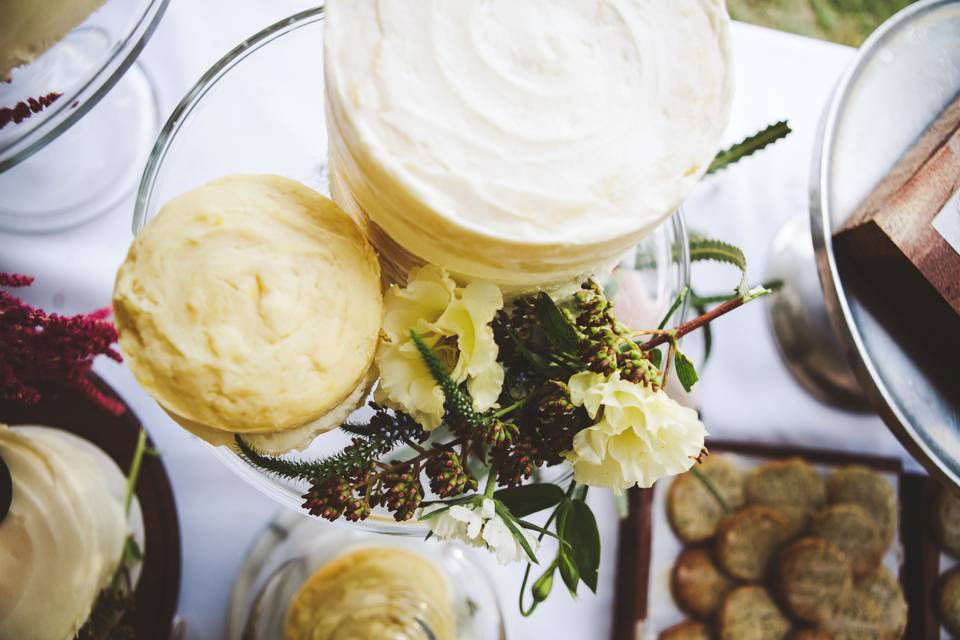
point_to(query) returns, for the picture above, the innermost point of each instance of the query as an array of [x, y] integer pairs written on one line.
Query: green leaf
[[521, 539], [131, 552], [577, 525], [568, 571], [529, 498], [558, 329], [543, 366], [686, 372], [676, 305], [749, 145], [718, 251]]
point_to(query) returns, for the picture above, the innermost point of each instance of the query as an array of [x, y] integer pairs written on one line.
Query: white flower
[[641, 435], [479, 525], [455, 322]]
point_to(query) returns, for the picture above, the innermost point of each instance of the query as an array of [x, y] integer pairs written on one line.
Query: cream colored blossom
[[640, 435], [455, 322]]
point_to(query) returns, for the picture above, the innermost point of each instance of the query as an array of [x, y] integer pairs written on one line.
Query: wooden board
[[158, 590], [891, 239]]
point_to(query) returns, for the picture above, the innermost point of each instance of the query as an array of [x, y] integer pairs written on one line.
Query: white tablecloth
[[746, 392]]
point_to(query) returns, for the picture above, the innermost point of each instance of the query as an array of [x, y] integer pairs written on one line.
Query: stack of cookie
[[946, 524], [780, 553]]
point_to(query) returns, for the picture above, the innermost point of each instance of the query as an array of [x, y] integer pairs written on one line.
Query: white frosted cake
[[524, 142], [30, 27], [63, 538]]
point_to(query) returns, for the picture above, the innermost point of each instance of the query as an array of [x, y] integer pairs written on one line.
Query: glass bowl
[[260, 109], [83, 66], [290, 549]]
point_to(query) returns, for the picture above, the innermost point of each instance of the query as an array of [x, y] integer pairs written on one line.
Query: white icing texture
[[526, 141], [62, 540]]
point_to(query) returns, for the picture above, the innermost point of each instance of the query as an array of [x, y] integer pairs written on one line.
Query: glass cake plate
[[290, 549], [260, 109], [51, 180]]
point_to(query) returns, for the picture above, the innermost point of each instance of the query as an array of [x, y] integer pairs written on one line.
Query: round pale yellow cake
[[371, 594], [251, 305]]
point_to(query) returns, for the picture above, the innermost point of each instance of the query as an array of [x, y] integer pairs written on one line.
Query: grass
[[844, 21]]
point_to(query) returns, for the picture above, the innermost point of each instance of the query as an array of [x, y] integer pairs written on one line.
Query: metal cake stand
[[901, 79]]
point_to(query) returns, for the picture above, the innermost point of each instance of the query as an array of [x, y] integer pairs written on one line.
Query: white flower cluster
[[479, 525]]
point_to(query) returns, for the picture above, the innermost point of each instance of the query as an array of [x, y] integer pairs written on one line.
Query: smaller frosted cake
[[63, 538], [377, 593], [251, 306], [30, 27]]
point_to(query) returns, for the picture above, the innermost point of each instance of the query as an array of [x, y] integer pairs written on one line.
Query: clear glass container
[[291, 549], [260, 109], [61, 166]]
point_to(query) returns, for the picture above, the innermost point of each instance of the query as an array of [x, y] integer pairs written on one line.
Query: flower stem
[[696, 323], [513, 407], [135, 469], [491, 485]]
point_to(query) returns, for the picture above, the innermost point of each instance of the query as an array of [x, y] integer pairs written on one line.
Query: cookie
[[815, 579], [948, 600], [860, 618], [749, 613], [749, 539], [698, 586], [851, 529], [791, 486], [884, 589], [686, 630], [946, 522], [871, 491], [693, 511], [810, 634]]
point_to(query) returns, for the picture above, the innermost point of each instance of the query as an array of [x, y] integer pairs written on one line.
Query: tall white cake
[[524, 142]]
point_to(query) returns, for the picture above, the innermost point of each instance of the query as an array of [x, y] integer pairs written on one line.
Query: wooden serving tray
[[918, 566], [158, 590]]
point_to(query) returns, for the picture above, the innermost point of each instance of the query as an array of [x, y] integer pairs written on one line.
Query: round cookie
[[815, 579], [860, 618], [791, 486], [749, 539], [698, 586], [851, 529], [946, 521], [749, 613], [250, 305], [871, 491], [692, 509], [884, 589], [686, 630], [948, 600]]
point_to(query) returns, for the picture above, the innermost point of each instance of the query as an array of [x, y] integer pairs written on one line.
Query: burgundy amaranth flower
[[36, 347], [23, 110]]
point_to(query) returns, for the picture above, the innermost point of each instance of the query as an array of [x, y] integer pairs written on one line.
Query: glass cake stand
[[290, 549], [58, 167], [260, 109]]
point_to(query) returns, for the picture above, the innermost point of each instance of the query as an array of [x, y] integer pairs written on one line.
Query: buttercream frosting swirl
[[63, 538], [522, 142]]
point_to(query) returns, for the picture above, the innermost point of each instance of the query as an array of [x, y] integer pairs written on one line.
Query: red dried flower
[[23, 110], [36, 347]]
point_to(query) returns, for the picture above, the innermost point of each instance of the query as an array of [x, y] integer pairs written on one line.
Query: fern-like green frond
[[750, 145], [708, 249]]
